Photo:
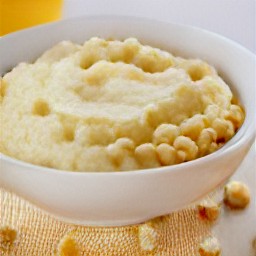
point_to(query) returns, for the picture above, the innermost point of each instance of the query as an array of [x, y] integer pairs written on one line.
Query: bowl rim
[[126, 17], [240, 137]]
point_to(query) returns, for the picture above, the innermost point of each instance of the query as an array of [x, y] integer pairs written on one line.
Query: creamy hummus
[[114, 106]]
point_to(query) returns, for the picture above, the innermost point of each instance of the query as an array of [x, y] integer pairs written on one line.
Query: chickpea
[[236, 195], [146, 155], [210, 247]]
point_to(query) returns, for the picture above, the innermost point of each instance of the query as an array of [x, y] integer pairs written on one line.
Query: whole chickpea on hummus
[[114, 106]]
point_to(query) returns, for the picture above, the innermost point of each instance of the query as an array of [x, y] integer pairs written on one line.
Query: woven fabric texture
[[25, 230]]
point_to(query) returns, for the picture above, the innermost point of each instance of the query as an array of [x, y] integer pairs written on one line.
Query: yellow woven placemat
[[25, 230]]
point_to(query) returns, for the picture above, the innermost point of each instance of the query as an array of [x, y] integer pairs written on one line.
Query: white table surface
[[235, 19]]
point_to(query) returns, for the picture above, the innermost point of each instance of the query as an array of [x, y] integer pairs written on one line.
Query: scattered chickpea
[[208, 209], [68, 247], [236, 195], [210, 247]]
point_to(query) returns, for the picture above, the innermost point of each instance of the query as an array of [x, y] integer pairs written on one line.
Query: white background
[[232, 18], [235, 19]]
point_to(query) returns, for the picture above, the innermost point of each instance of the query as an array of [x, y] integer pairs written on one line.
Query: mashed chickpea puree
[[114, 106]]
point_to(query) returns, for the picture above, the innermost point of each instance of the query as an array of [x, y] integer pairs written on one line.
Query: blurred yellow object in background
[[19, 14]]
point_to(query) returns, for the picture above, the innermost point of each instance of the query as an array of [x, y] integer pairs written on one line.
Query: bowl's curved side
[[116, 199], [131, 197]]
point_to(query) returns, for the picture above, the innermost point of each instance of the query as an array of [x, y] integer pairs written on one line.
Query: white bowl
[[131, 197]]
